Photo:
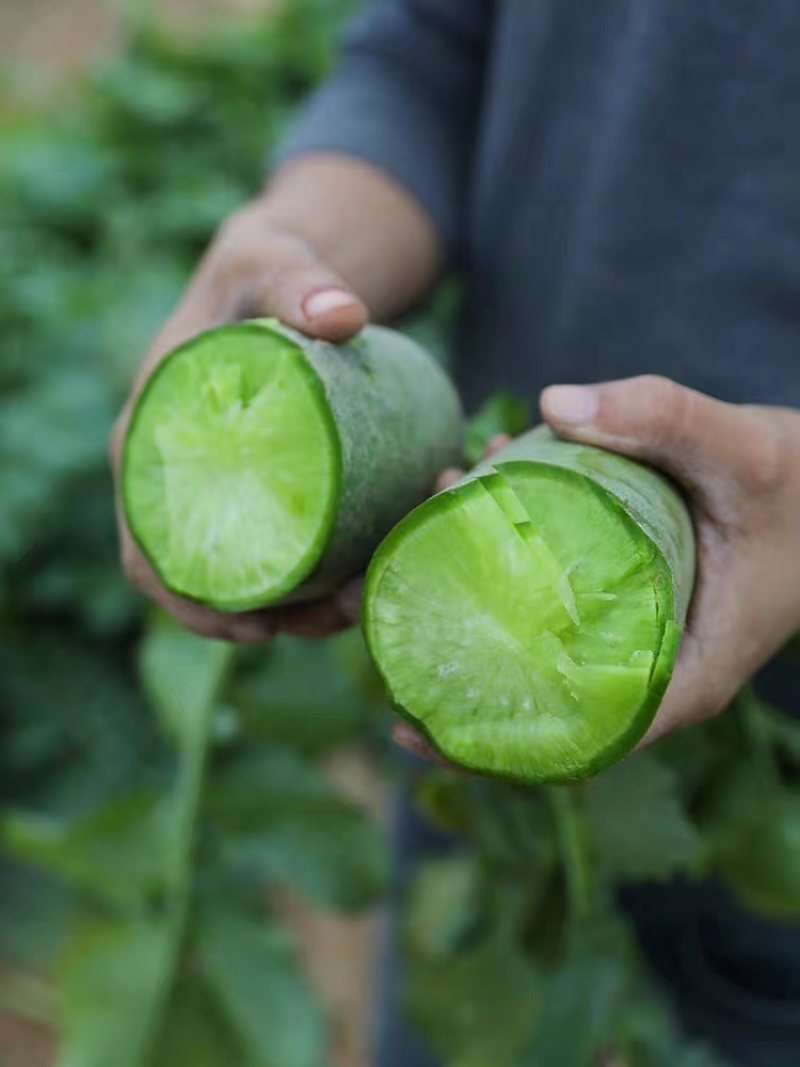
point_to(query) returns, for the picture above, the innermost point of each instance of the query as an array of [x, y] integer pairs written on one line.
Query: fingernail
[[570, 403], [327, 300]]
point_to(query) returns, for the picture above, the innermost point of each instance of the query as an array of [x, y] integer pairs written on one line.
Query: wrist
[[361, 223]]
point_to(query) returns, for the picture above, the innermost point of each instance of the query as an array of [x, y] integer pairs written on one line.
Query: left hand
[[739, 468]]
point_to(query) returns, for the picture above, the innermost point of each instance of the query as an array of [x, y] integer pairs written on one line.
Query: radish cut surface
[[260, 465], [524, 620]]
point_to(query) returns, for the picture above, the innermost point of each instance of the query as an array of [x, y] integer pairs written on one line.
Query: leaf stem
[[193, 742], [570, 831]]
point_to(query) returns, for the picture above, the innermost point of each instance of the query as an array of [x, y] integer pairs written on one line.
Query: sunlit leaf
[[114, 979], [285, 821], [297, 693], [477, 1007], [251, 968], [182, 674], [637, 826], [118, 854], [195, 1030]]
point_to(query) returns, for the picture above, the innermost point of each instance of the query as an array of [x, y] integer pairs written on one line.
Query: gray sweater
[[619, 182], [618, 179]]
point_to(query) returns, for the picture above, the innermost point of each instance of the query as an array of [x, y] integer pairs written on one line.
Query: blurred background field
[[61, 38], [125, 137]]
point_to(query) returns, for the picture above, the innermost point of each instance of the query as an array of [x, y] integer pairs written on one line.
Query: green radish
[[261, 466], [528, 619]]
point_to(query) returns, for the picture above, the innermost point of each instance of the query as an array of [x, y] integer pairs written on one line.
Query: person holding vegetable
[[616, 184]]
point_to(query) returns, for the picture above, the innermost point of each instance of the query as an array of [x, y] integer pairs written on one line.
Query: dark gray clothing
[[620, 179], [619, 183]]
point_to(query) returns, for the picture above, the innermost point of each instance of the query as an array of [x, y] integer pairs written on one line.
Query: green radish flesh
[[261, 466], [527, 620]]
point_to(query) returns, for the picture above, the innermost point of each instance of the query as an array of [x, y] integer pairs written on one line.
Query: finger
[[350, 598], [322, 618], [246, 628], [296, 287], [714, 448], [712, 664], [314, 621], [448, 478], [253, 271], [405, 736], [500, 440]]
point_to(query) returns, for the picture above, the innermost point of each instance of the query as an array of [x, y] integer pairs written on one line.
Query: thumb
[[709, 446], [302, 291]]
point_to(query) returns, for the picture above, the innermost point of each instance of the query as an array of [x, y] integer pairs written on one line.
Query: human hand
[[739, 468], [251, 269]]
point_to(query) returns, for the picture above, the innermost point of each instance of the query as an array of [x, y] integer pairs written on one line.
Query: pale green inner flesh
[[518, 618], [231, 469]]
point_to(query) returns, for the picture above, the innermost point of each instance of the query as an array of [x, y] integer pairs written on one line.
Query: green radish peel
[[527, 620], [260, 465]]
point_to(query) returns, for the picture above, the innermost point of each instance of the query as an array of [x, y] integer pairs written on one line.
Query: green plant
[[154, 787]]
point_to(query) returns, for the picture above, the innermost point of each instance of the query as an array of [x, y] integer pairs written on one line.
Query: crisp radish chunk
[[528, 619], [260, 465]]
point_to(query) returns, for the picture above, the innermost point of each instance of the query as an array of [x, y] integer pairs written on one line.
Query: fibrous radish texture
[[261, 466], [527, 620]]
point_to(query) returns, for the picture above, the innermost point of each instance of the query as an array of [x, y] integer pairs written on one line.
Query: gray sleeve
[[406, 98]]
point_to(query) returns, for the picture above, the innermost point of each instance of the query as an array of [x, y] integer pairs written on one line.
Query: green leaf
[[637, 827], [251, 968], [35, 912], [114, 978], [442, 905], [182, 675], [502, 413], [195, 1030], [694, 1056], [573, 1024], [117, 854], [476, 1008], [74, 731], [783, 729], [298, 693], [285, 821]]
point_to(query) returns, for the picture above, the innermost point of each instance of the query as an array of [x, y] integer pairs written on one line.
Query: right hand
[[252, 269]]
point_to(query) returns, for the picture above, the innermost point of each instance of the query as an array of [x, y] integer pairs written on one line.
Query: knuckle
[[766, 465], [203, 627], [231, 230], [711, 706], [716, 697], [666, 406], [234, 249]]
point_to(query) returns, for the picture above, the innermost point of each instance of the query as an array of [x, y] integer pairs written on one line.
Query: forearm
[[362, 223], [323, 222]]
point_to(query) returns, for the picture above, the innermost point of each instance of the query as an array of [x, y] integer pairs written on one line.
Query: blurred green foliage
[[154, 786]]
